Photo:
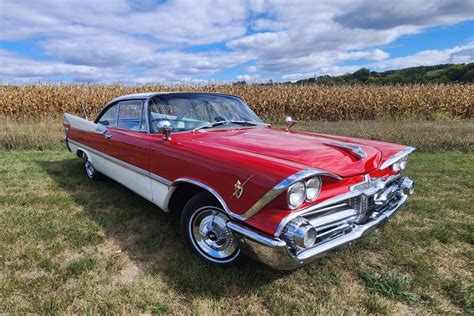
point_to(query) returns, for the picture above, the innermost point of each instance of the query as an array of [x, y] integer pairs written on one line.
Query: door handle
[[108, 136]]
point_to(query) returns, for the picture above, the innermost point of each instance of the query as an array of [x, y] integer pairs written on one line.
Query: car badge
[[239, 188]]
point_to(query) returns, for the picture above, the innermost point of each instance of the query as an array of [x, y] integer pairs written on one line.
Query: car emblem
[[239, 188]]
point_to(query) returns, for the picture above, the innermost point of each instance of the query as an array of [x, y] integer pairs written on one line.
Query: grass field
[[70, 245]]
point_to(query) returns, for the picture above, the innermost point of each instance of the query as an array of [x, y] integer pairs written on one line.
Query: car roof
[[146, 95]]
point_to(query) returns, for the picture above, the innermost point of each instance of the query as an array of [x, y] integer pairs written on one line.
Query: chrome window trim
[[329, 203], [390, 161], [283, 185], [213, 192]]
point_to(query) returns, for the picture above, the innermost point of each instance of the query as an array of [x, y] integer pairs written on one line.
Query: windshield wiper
[[210, 125], [247, 123]]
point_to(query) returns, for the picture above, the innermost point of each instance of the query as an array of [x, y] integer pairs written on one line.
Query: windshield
[[187, 112]]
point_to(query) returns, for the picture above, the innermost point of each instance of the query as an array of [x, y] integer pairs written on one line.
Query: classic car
[[242, 187]]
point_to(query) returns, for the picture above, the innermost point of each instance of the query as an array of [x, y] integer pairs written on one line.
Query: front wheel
[[204, 228]]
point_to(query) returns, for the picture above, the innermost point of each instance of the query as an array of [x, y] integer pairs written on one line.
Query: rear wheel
[[204, 228], [89, 168]]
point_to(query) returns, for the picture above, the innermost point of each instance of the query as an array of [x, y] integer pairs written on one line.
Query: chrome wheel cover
[[89, 167], [211, 236]]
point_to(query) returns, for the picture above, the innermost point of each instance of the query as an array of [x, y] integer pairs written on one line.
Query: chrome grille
[[336, 220]]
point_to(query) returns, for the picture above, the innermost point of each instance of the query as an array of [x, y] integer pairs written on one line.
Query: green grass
[[72, 245]]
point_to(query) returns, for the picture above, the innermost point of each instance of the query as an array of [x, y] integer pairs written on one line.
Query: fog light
[[299, 233]]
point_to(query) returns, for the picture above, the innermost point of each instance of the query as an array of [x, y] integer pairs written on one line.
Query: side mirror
[[289, 122], [164, 127]]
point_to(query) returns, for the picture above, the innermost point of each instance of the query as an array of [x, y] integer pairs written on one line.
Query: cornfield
[[271, 102]]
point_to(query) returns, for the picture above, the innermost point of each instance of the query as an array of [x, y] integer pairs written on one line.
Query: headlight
[[403, 163], [396, 166], [296, 194], [313, 187], [400, 165]]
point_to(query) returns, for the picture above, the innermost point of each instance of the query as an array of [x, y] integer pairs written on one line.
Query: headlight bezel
[[301, 186]]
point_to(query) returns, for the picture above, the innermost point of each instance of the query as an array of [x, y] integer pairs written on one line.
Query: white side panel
[[137, 182], [73, 148], [161, 194]]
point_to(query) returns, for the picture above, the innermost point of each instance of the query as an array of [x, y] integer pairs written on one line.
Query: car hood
[[313, 150]]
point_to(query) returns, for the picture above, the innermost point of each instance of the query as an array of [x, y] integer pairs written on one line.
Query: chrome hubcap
[[210, 233], [89, 168]]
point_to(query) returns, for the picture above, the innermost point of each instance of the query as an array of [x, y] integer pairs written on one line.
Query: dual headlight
[[303, 191], [400, 165]]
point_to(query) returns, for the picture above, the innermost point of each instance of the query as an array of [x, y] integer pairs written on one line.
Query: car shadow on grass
[[150, 237]]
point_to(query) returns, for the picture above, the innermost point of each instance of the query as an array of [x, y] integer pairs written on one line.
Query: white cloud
[[249, 78], [142, 41], [100, 50], [251, 68], [14, 66], [458, 54]]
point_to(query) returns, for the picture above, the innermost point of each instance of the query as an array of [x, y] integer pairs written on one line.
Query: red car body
[[259, 158]]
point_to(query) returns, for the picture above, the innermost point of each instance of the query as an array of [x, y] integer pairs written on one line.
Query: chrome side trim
[[123, 163], [171, 185], [397, 157], [354, 150], [329, 203], [160, 179], [265, 241], [213, 192], [283, 185]]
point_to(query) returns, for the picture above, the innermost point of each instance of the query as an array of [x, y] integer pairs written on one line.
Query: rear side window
[[109, 118], [130, 115]]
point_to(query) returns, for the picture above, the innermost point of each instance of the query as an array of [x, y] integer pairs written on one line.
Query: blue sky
[[183, 41]]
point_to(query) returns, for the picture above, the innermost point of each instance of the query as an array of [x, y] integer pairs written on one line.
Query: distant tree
[[361, 74], [445, 73]]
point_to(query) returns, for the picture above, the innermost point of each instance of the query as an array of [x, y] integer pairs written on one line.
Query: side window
[[130, 115], [109, 118]]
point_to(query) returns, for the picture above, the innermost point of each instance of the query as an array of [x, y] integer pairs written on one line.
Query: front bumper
[[276, 252]]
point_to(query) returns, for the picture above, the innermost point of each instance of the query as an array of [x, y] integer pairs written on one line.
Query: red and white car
[[241, 186]]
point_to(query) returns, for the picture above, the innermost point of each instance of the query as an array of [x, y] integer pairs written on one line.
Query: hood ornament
[[289, 122], [354, 150]]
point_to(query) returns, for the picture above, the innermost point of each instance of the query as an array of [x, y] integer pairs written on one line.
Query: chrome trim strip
[[303, 174], [283, 185], [397, 157], [213, 192], [328, 204], [123, 163], [350, 148], [171, 185], [160, 179], [265, 241]]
